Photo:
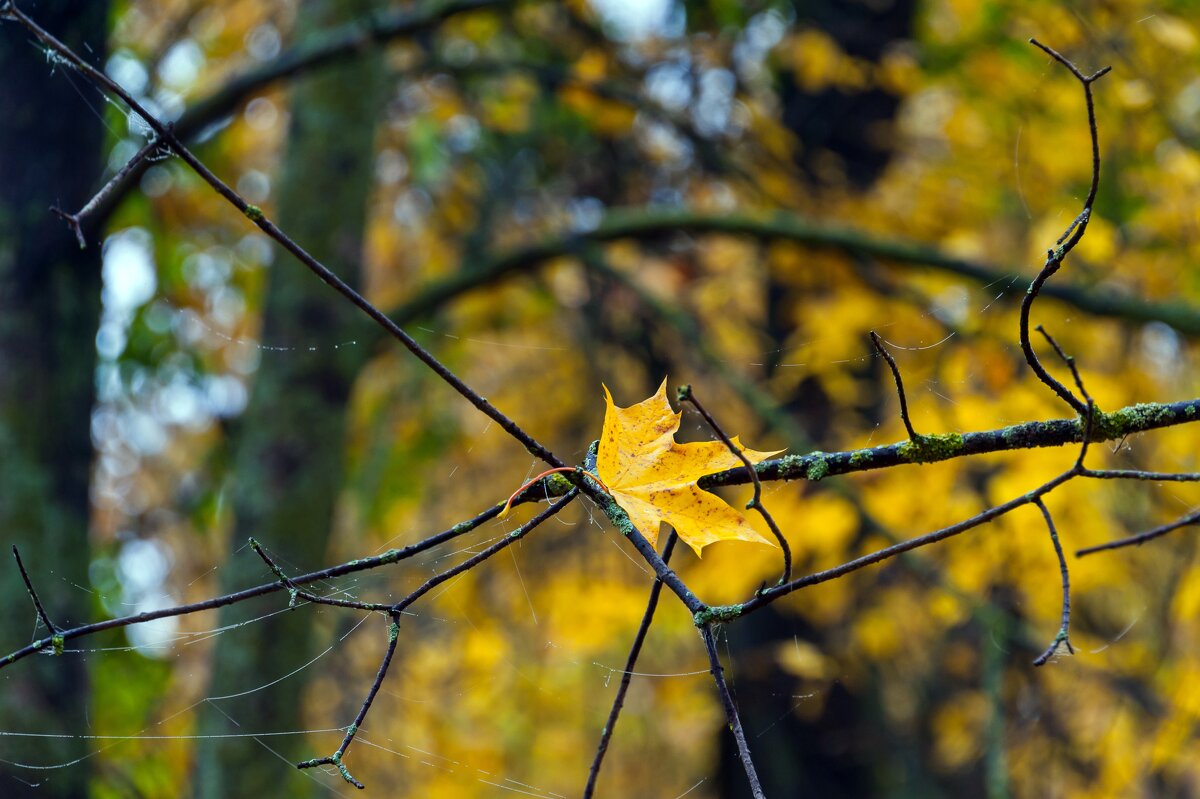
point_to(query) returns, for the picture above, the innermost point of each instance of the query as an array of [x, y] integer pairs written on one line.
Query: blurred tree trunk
[[828, 753], [49, 313], [288, 447]]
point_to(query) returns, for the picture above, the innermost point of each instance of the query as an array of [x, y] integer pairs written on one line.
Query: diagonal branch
[[394, 612], [330, 47], [167, 136], [891, 362], [770, 595], [627, 674], [731, 714], [37, 602]]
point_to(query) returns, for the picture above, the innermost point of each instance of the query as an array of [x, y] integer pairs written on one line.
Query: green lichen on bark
[[1119, 423], [818, 466], [931, 448], [717, 613], [860, 459]]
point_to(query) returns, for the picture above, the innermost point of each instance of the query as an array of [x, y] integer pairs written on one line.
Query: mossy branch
[[652, 223], [932, 448]]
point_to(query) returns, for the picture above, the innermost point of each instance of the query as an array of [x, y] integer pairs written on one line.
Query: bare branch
[[37, 602], [255, 214], [76, 220], [336, 758], [627, 674], [1068, 240], [349, 567], [1063, 637], [685, 394], [731, 714], [1141, 538], [768, 596], [1136, 474], [891, 362], [472, 562]]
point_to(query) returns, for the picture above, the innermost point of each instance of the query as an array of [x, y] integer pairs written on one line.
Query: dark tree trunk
[[50, 154]]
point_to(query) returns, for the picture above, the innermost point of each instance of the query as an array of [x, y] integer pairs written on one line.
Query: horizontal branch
[[54, 642], [932, 448], [647, 223]]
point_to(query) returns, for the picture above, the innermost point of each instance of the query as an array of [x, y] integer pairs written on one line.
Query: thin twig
[[37, 602], [255, 215], [349, 567], [731, 714], [771, 594], [1063, 637], [627, 674], [685, 394], [1068, 240], [1141, 538], [394, 612], [470, 563], [1137, 474], [75, 221], [1089, 409], [296, 593], [891, 362], [336, 758]]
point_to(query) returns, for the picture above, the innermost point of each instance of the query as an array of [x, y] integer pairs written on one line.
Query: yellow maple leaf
[[654, 479]]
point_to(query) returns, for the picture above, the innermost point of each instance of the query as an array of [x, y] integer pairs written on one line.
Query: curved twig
[[1067, 241], [1063, 637], [685, 394]]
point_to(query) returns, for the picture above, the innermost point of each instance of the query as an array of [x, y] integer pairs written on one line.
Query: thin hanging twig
[[635, 650], [1063, 638]]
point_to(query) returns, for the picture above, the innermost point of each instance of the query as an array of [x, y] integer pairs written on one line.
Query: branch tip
[[891, 362], [1063, 636], [37, 602]]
